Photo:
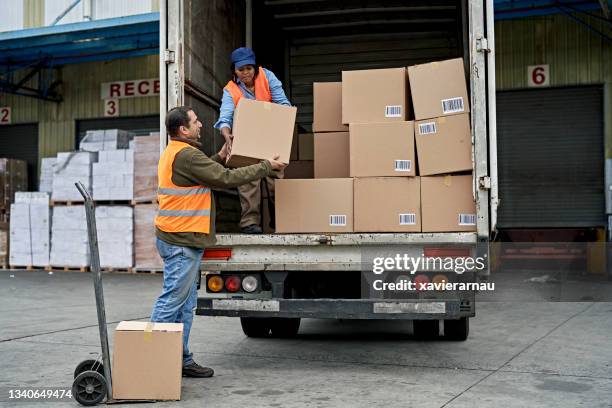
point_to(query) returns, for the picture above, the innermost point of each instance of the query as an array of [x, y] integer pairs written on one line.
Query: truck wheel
[[426, 329], [285, 327], [457, 330], [255, 326]]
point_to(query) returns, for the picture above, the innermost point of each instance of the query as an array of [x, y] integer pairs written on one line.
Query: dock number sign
[[538, 75], [5, 115]]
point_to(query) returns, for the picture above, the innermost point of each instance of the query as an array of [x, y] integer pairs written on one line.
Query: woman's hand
[[276, 165]]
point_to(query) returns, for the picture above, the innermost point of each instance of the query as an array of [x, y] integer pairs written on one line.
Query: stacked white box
[[115, 226], [70, 168], [30, 230], [69, 243], [110, 139], [46, 174], [113, 175]]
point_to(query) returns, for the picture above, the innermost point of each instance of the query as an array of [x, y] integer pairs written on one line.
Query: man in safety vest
[[252, 82], [185, 222]]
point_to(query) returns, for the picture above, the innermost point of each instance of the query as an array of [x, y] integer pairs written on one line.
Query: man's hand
[[224, 152], [276, 165]]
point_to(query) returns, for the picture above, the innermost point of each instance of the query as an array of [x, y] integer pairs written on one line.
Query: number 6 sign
[[538, 75]]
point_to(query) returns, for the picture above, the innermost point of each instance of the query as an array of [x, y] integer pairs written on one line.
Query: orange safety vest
[[181, 209], [262, 88]]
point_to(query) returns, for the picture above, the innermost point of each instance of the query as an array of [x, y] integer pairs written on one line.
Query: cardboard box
[[374, 95], [444, 145], [261, 130], [382, 149], [327, 107], [438, 89], [147, 361], [324, 205], [447, 204], [387, 204], [331, 155]]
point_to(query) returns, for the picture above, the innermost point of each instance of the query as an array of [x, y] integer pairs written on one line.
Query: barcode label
[[393, 111], [403, 165], [452, 105], [407, 219], [428, 128], [337, 220], [467, 219]]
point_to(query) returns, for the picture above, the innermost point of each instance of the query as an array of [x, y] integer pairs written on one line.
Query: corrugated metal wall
[[81, 92]]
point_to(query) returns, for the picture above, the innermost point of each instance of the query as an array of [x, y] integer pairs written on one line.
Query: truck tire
[[285, 327], [255, 326], [457, 330], [426, 329]]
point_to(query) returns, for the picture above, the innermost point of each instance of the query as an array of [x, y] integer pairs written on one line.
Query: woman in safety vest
[[253, 82]]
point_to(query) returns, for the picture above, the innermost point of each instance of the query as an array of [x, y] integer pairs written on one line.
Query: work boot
[[252, 229], [193, 369]]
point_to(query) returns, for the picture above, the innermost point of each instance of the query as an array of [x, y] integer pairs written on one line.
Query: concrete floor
[[518, 355]]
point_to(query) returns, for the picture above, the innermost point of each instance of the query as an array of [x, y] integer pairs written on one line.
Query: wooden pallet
[[68, 268], [30, 267], [137, 202], [148, 270], [118, 270], [113, 202], [53, 203]]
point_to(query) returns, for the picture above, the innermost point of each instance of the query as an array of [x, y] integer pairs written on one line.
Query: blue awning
[[507, 9], [98, 40]]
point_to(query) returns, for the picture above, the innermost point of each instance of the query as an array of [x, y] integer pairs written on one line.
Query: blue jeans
[[180, 294]]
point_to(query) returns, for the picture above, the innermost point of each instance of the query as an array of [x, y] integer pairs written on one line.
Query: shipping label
[[452, 105]]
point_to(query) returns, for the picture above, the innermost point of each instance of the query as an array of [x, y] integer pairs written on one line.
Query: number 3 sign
[[538, 75], [111, 107]]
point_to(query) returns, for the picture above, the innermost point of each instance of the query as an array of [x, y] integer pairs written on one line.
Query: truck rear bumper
[[337, 309]]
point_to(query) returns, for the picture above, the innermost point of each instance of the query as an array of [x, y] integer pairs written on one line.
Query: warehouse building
[[553, 75]]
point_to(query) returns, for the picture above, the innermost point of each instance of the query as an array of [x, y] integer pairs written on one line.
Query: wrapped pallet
[[30, 230], [145, 250], [46, 174], [113, 175], [13, 178], [110, 139], [4, 232], [146, 157], [115, 226], [70, 168], [69, 242]]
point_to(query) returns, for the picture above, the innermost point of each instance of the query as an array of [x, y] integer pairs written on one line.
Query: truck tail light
[[222, 254], [215, 283], [421, 279], [232, 283], [249, 283]]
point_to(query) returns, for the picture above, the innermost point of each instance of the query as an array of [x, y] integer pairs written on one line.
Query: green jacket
[[191, 167]]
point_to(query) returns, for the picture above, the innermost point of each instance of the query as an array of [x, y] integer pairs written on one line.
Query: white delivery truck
[[276, 279]]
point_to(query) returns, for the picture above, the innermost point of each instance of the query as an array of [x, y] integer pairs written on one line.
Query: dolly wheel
[[89, 388], [89, 365]]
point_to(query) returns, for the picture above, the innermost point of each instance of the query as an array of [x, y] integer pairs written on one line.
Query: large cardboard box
[[438, 89], [382, 149], [324, 205], [374, 95], [447, 204], [327, 107], [444, 145], [387, 204], [331, 155], [261, 130], [147, 361]]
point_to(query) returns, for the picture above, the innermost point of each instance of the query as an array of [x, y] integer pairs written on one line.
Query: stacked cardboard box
[[70, 168], [30, 230], [69, 241], [146, 158], [146, 256], [113, 175], [47, 165], [115, 225], [378, 158], [13, 178], [110, 139]]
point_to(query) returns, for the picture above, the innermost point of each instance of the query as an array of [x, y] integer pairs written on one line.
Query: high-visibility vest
[[262, 88], [181, 209]]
